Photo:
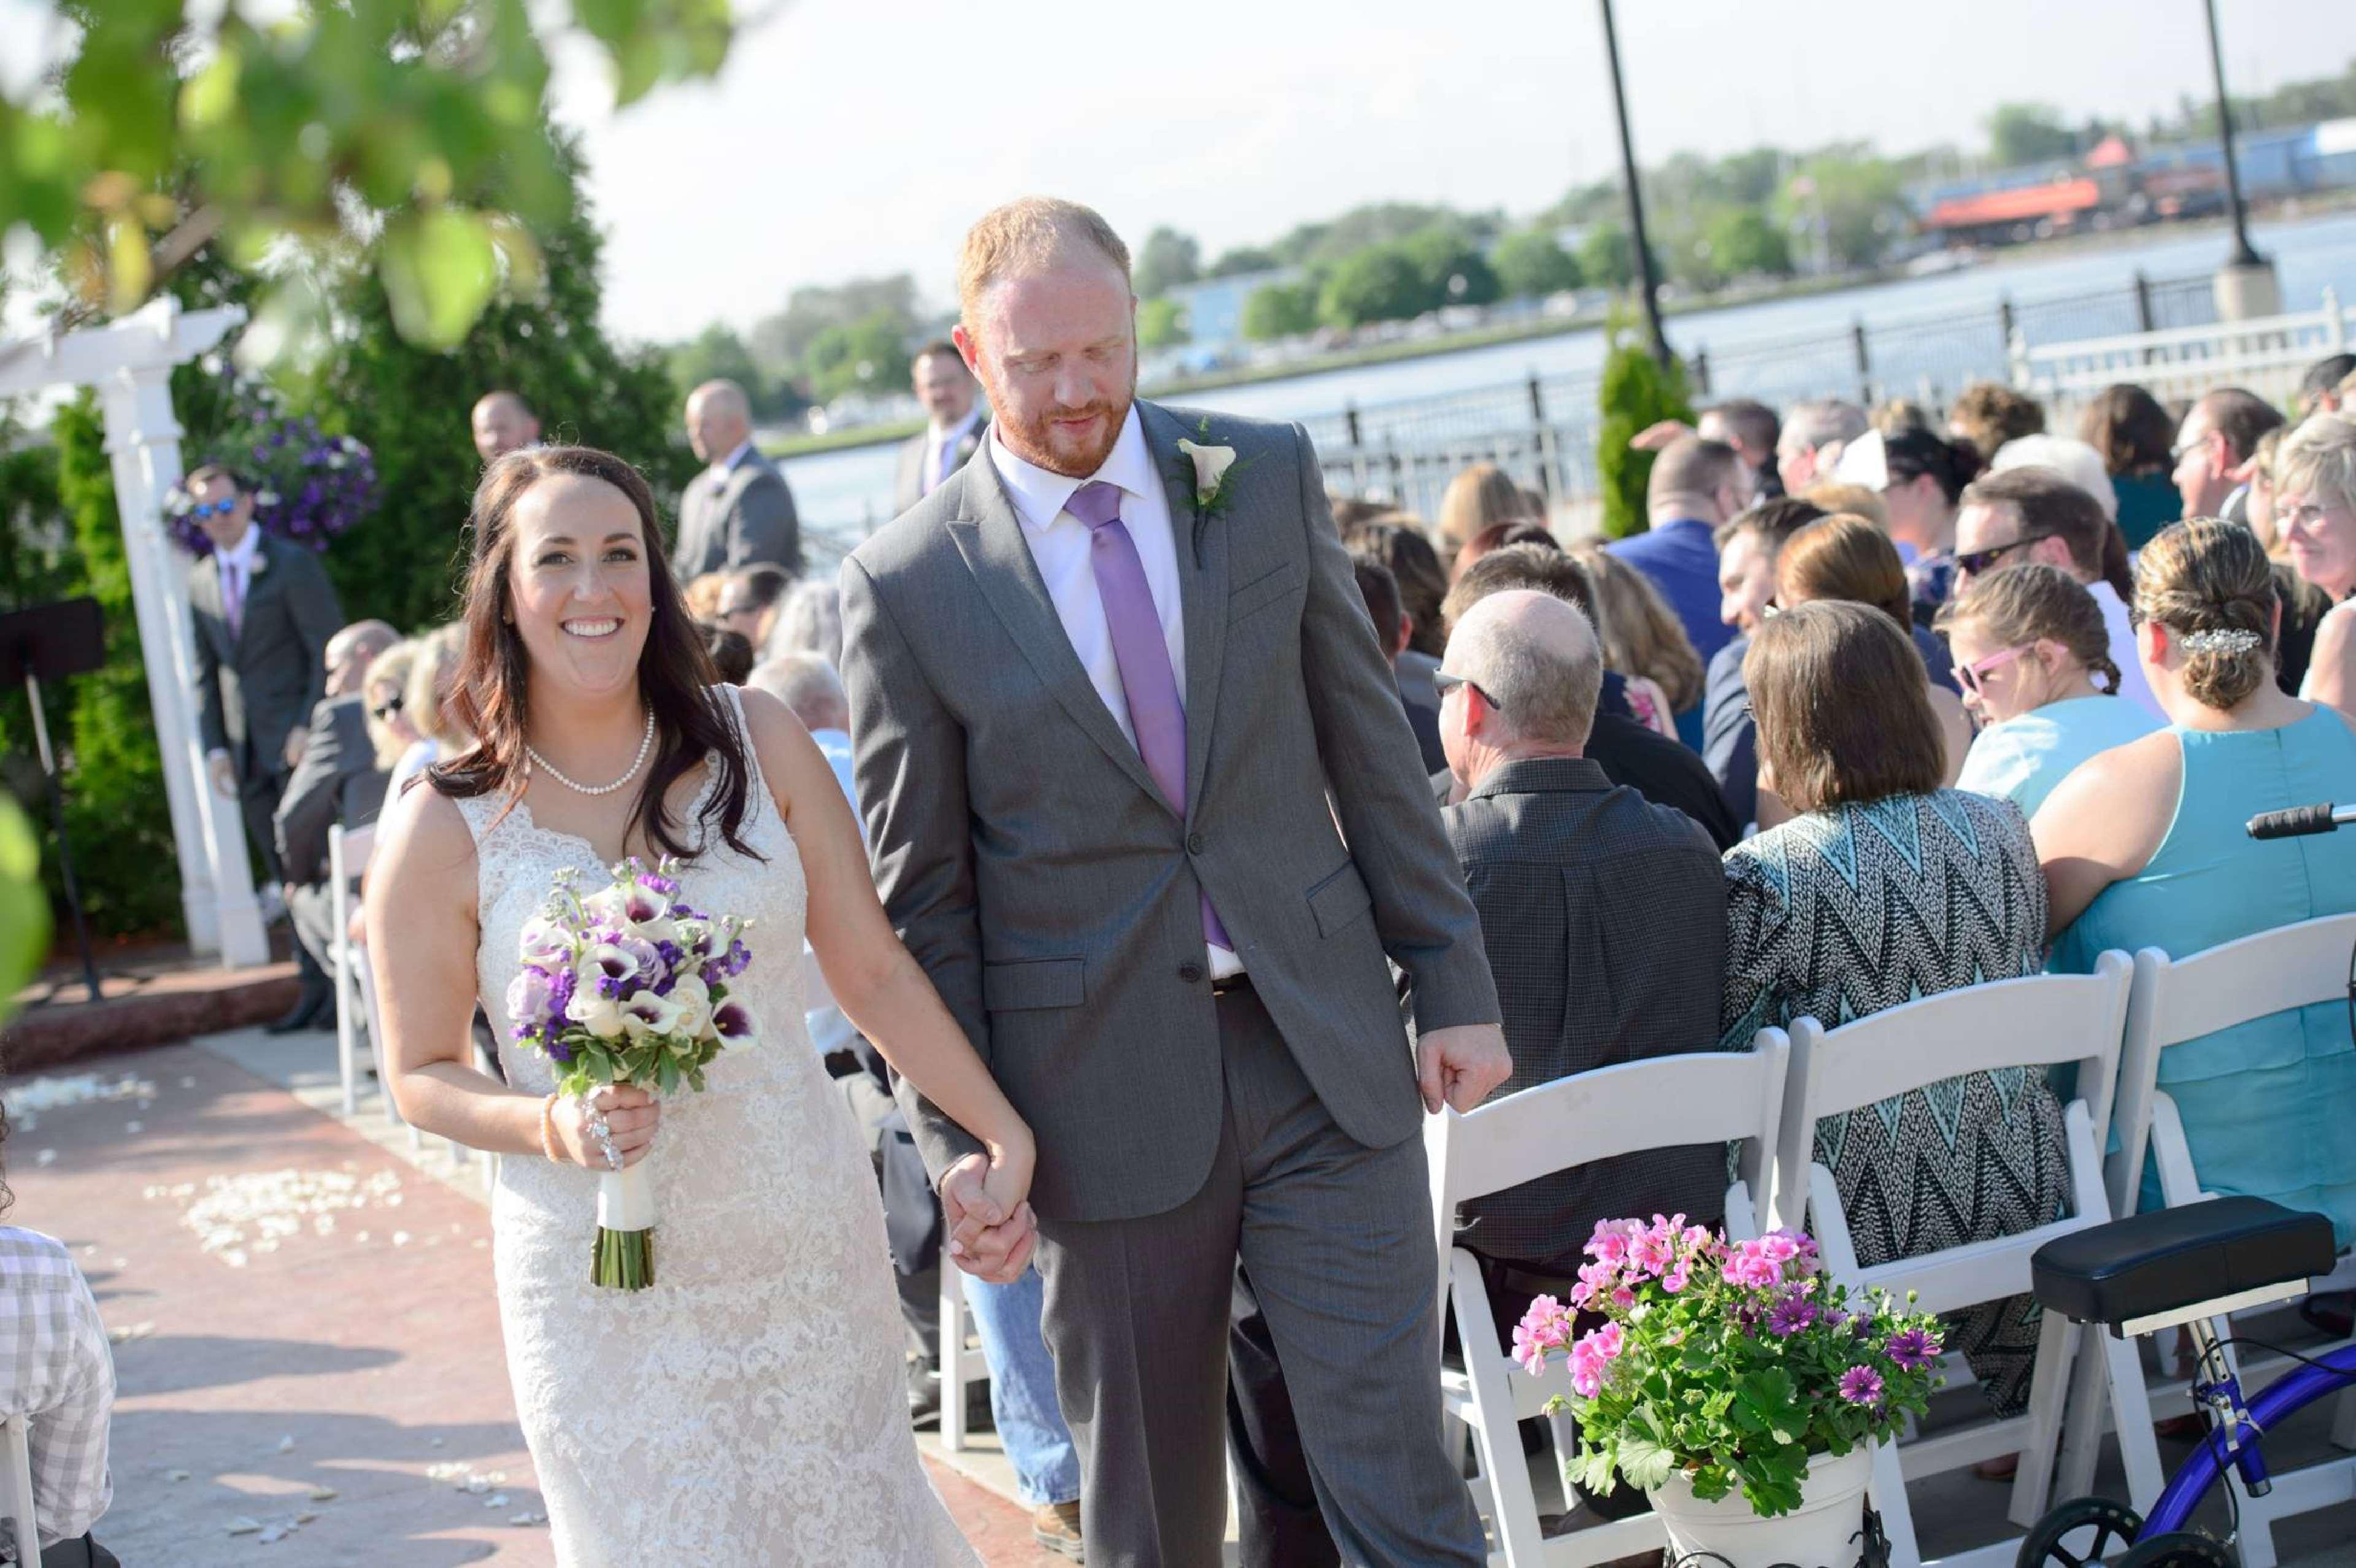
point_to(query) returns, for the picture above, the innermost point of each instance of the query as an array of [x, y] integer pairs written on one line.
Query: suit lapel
[[989, 537], [259, 579], [1202, 549]]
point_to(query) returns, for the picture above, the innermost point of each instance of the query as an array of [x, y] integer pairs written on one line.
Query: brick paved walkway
[[365, 1358]]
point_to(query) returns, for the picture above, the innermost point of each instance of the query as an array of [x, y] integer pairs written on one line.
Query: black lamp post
[[1651, 283], [2244, 254]]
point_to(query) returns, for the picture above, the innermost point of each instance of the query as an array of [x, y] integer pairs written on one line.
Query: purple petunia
[[1913, 1349], [1861, 1385]]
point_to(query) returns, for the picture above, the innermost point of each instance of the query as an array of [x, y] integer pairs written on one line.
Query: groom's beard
[[1074, 454]]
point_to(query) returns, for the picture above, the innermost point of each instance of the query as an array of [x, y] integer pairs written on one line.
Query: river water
[[843, 494]]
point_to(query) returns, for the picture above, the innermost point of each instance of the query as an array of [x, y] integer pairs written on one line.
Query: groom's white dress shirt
[[1059, 544]]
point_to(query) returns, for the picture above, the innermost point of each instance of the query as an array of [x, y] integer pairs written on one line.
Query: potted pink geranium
[[1734, 1382]]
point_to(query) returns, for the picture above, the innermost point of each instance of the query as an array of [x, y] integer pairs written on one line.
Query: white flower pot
[[1822, 1532]]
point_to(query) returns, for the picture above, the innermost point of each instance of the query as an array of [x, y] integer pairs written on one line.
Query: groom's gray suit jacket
[[1040, 877]]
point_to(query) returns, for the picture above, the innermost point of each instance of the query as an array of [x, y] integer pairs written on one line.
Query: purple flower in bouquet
[[1861, 1385], [1913, 1349]]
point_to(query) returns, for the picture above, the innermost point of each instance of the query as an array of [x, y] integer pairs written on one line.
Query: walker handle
[[2299, 820]]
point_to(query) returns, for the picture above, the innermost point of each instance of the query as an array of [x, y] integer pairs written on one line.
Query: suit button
[[1190, 973], [1196, 843]]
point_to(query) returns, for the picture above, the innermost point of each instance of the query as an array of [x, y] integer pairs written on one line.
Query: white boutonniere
[[1212, 467], [261, 564]]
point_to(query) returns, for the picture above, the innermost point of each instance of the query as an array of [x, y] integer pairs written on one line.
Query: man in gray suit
[[335, 782], [264, 612], [957, 424], [1142, 801], [738, 512]]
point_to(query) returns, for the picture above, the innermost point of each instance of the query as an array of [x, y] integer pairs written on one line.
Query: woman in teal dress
[[2137, 441], [2144, 847], [2035, 663]]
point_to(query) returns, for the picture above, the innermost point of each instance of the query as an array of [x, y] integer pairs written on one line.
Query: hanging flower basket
[[307, 487]]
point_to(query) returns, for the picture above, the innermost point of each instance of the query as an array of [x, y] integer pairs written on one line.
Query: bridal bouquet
[[627, 984], [1731, 1363]]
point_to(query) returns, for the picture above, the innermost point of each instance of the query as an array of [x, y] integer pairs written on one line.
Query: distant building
[[1213, 308]]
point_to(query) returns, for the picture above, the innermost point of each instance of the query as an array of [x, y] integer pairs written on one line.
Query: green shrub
[[1635, 392]]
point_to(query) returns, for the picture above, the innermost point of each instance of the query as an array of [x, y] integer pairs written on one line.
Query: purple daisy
[[1790, 1315], [1913, 1349], [1861, 1385]]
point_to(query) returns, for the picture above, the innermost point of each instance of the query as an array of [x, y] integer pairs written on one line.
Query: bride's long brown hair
[[674, 676]]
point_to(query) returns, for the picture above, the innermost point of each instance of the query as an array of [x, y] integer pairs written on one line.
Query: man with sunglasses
[[2035, 514], [264, 612], [336, 782]]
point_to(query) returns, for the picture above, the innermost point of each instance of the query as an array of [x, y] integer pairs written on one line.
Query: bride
[[750, 1407]]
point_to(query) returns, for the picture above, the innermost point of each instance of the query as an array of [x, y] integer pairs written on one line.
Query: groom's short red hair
[[1030, 229]]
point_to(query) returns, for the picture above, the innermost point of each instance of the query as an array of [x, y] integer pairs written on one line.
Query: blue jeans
[[1023, 1387]]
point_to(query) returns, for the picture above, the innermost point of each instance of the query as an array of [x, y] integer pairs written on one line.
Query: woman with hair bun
[[2035, 663], [2144, 847]]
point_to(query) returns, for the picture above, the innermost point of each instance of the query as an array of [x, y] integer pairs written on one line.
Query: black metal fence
[[1542, 429]]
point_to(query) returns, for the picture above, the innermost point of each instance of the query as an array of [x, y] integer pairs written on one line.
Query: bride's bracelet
[[548, 1130]]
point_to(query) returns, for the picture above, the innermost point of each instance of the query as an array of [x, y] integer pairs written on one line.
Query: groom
[[1144, 804]]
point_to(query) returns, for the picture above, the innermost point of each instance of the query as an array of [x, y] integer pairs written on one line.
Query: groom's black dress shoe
[[313, 1009]]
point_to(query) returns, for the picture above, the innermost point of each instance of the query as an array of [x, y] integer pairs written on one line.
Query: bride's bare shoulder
[[421, 831]]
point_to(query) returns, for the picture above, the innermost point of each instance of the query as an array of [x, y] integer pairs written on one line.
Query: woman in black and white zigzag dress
[[1881, 888]]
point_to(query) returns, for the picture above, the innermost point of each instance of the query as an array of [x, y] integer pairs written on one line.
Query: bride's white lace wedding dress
[[751, 1407]]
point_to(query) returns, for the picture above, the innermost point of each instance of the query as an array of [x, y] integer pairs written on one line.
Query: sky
[[854, 137], [858, 137]]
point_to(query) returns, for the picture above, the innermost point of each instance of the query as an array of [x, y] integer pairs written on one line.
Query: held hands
[[991, 1230], [1459, 1066], [296, 739], [631, 1117]]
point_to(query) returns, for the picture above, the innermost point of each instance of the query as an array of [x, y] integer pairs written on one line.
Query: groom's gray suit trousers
[[1338, 1239]]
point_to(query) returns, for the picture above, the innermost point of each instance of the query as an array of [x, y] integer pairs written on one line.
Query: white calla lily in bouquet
[[627, 984]]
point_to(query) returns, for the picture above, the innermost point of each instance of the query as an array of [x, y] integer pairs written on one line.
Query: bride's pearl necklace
[[646, 746]]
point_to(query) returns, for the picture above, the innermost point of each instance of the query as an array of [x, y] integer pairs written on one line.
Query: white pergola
[[130, 363]]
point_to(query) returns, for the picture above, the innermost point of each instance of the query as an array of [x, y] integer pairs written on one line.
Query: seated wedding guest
[[2145, 846], [2304, 605], [1479, 495], [1392, 627], [390, 732], [1882, 888], [1574, 878], [1400, 544], [1645, 641], [809, 620], [1353, 513], [1521, 530], [2037, 514], [2037, 670], [2214, 444], [1920, 478], [2315, 508], [1631, 753], [2136, 440], [729, 651], [426, 704], [1748, 426], [1893, 415], [1845, 557], [2323, 388], [2258, 505], [1988, 413], [2073, 460], [61, 1374], [1696, 485], [750, 602], [337, 783], [1812, 438], [1829, 495], [1747, 549], [809, 687], [703, 594]]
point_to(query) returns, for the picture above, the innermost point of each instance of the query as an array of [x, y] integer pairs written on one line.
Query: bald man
[[503, 423], [336, 782], [738, 511], [1696, 486]]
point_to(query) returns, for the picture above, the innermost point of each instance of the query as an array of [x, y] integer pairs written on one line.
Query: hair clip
[[2220, 640]]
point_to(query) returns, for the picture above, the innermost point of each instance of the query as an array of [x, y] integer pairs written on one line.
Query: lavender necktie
[[1143, 654]]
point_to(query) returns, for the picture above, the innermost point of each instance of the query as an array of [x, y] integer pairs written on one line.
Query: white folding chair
[[2033, 1023], [19, 1482], [349, 849], [962, 1364], [2172, 1001], [1664, 1102]]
